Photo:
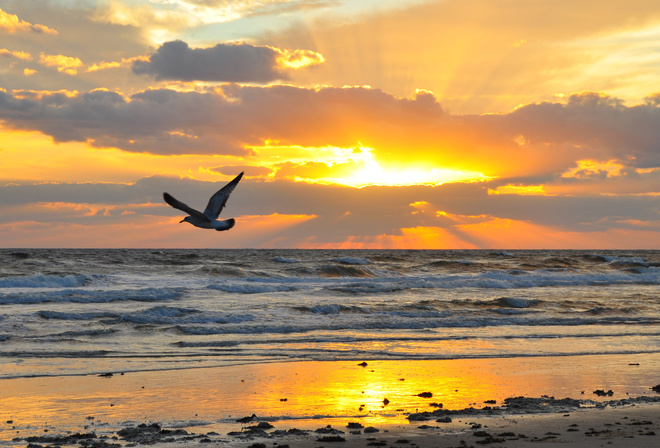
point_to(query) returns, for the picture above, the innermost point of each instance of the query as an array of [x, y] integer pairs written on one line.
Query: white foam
[[44, 281], [285, 260]]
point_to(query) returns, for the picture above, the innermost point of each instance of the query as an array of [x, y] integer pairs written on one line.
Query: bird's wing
[[183, 207], [219, 199]]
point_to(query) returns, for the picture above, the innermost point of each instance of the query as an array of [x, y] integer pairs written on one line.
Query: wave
[[177, 309], [252, 288], [161, 315], [626, 261], [45, 281], [522, 279], [352, 260], [457, 264], [344, 271], [57, 315], [509, 302], [332, 308], [228, 271], [381, 322], [359, 280], [182, 316], [93, 296], [285, 260]]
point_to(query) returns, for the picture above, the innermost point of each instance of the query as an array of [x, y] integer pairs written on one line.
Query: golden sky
[[380, 124]]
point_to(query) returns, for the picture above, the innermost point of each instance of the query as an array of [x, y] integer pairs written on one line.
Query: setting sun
[[372, 173]]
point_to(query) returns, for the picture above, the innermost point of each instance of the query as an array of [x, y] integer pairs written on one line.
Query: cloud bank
[[452, 215], [545, 139]]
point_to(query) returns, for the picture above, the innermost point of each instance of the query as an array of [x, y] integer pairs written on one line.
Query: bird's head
[[186, 219]]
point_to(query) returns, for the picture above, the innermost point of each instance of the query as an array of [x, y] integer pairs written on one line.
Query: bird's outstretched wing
[[184, 207], [219, 199]]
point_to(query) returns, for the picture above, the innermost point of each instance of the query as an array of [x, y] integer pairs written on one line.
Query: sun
[[353, 166], [371, 172]]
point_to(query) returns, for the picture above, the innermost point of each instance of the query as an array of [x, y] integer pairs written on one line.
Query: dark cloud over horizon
[[341, 212]]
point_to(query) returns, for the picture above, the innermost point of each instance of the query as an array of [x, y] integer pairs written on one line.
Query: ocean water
[[74, 312]]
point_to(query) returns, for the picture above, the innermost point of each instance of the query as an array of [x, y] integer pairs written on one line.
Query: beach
[[436, 348], [448, 403]]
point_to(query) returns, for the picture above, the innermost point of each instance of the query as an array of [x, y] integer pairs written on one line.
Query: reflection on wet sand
[[299, 394]]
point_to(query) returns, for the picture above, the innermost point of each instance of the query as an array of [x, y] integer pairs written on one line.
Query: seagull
[[208, 219]]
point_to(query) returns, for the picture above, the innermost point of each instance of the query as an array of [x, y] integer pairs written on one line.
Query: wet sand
[[448, 403]]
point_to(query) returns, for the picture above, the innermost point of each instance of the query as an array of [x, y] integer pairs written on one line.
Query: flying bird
[[208, 219]]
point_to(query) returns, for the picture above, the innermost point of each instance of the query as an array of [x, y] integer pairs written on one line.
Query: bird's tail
[[226, 224]]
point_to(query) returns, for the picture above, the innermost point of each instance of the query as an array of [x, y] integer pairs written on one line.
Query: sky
[[447, 124]]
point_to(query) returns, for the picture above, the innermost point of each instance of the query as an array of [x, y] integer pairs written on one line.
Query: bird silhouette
[[208, 219]]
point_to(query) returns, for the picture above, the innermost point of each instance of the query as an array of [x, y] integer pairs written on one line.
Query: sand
[[450, 403]]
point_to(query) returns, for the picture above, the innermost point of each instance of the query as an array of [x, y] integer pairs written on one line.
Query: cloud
[[223, 63], [597, 125], [81, 38], [10, 23], [538, 139], [312, 215], [124, 63], [65, 64], [196, 12], [587, 169], [227, 120], [4, 53]]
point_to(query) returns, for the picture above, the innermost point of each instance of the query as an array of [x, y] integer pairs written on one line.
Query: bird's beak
[[183, 220]]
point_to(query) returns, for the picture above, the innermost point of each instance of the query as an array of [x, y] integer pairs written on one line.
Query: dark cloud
[[155, 121], [545, 139], [342, 212], [223, 63], [596, 124], [222, 122]]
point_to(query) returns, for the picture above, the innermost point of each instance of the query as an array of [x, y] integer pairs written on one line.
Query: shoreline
[[632, 425], [309, 395]]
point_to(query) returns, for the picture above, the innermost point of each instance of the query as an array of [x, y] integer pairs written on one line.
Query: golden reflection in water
[[342, 390]]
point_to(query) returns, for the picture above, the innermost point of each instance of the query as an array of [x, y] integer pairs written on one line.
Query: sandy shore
[[627, 426], [451, 403]]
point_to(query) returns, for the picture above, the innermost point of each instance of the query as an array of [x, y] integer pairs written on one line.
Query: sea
[[96, 311]]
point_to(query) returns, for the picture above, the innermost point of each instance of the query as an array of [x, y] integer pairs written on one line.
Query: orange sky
[[441, 124]]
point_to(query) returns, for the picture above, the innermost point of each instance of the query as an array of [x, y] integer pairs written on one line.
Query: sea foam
[[44, 281]]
